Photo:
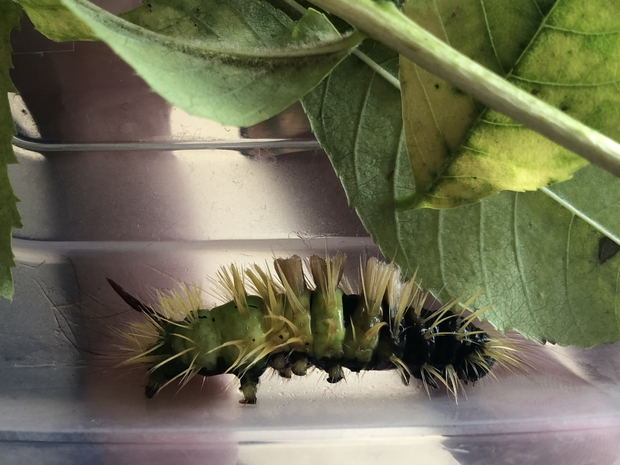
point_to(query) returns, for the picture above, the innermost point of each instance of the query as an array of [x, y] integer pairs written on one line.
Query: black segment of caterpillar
[[282, 321]]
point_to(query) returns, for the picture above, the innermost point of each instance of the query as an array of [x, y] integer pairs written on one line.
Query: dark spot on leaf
[[253, 340], [281, 337], [24, 112], [213, 319], [453, 15], [436, 86], [564, 107], [607, 249], [535, 92]]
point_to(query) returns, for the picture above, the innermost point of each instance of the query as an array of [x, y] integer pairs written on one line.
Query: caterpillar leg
[[299, 364], [153, 386], [281, 365], [334, 371], [249, 386], [293, 363]]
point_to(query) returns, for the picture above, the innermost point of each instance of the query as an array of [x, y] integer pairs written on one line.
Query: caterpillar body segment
[[281, 321]]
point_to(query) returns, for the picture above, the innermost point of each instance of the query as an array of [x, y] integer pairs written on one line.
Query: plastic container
[[110, 187]]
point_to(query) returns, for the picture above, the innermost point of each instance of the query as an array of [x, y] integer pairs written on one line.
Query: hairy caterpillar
[[290, 325]]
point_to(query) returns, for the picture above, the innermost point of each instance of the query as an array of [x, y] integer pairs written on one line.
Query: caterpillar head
[[444, 347]]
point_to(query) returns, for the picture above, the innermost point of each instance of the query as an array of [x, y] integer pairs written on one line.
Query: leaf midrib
[[346, 42]]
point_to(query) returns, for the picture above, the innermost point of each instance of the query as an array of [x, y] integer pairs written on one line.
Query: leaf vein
[[431, 109], [519, 260], [481, 244], [538, 8], [356, 135], [572, 310], [440, 248], [399, 241], [584, 33], [566, 84], [497, 123], [490, 34], [443, 28]]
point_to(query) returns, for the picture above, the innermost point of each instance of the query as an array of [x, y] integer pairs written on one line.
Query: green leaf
[[55, 21], [536, 260], [10, 15], [566, 53], [356, 116], [537, 263], [238, 62]]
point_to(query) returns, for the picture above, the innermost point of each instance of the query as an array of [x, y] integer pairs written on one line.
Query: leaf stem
[[376, 67], [359, 54], [383, 21], [581, 214], [296, 6]]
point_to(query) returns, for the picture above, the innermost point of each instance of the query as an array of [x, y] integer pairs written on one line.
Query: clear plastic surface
[[61, 401], [151, 216]]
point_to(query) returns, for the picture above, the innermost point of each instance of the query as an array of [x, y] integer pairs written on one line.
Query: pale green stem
[[296, 6], [377, 68], [385, 23], [361, 55], [588, 219]]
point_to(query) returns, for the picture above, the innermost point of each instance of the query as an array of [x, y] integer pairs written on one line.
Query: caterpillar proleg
[[288, 322]]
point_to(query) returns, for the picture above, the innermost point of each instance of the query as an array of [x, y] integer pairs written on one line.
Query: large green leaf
[[356, 116], [566, 53], [238, 62], [10, 15], [536, 260], [55, 21]]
